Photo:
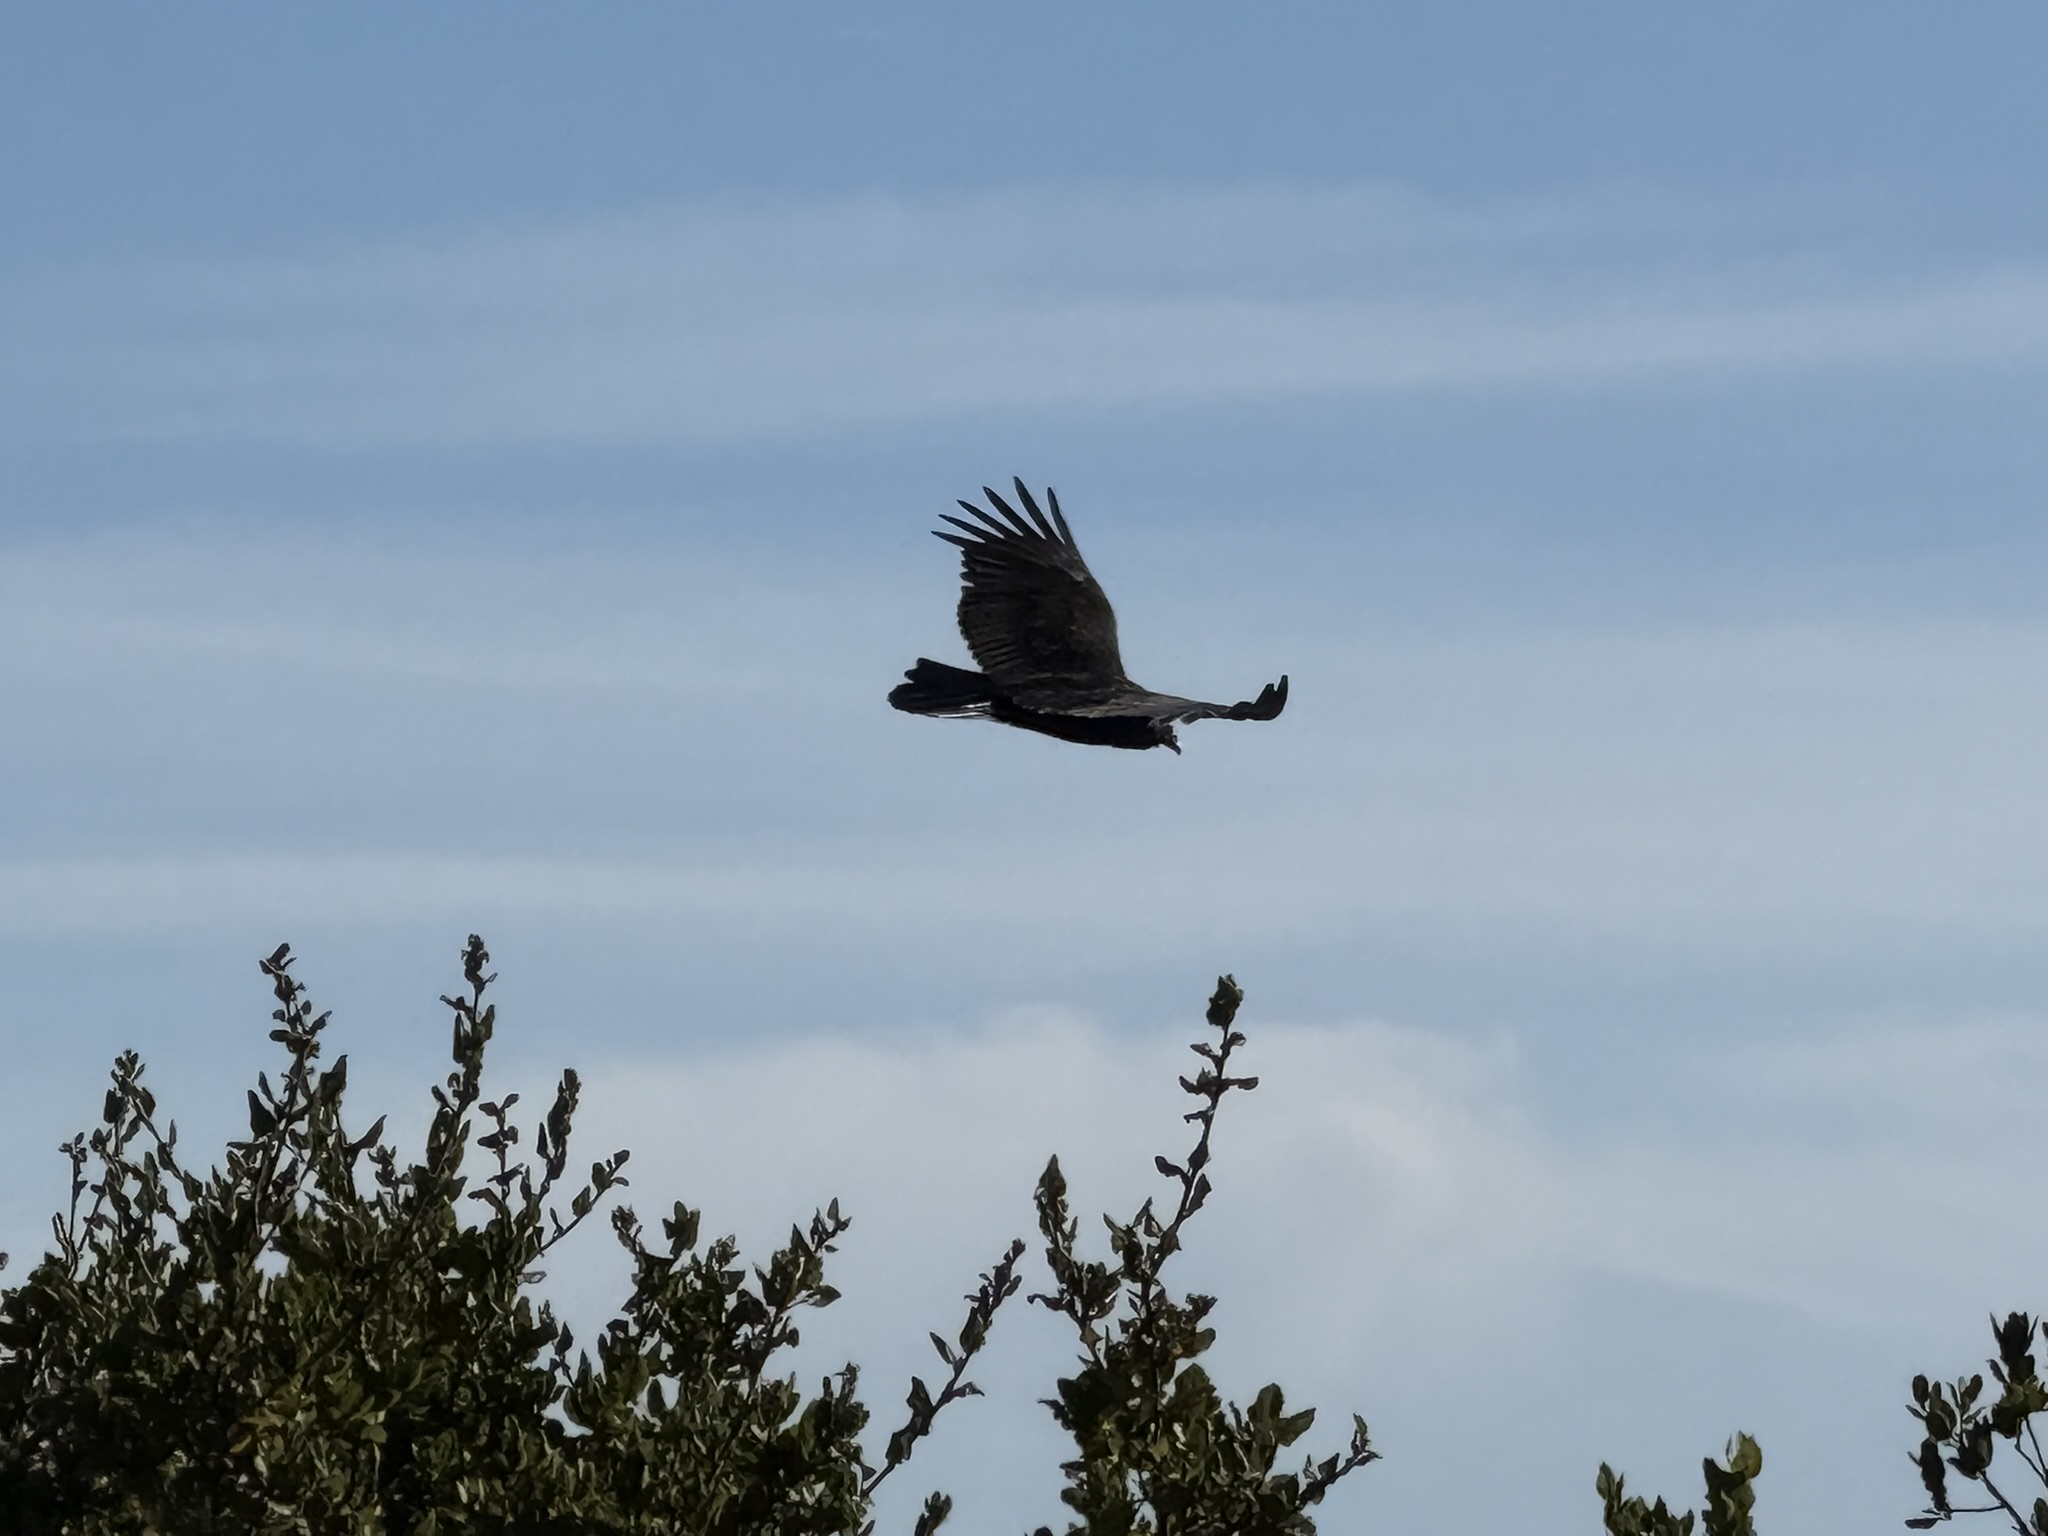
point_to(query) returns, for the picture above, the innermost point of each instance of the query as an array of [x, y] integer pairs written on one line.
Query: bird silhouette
[[1037, 621]]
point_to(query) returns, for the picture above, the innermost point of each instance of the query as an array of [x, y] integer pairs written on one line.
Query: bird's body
[[1039, 624]]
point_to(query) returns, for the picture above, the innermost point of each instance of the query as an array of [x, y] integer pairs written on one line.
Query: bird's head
[[1163, 735]]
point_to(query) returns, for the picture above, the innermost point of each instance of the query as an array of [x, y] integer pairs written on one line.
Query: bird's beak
[[1174, 747]]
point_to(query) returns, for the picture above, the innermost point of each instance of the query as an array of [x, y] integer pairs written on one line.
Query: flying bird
[[1037, 621]]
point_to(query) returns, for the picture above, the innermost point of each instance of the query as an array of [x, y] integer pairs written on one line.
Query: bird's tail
[[933, 688]]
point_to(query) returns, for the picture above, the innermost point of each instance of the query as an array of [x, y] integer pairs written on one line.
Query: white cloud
[[736, 319], [1659, 778], [1393, 1215]]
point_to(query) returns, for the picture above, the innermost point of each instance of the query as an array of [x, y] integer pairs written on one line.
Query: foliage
[[1726, 1512], [1158, 1451], [284, 1345], [1962, 1431], [315, 1337]]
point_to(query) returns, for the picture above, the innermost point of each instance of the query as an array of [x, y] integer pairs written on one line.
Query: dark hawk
[[1037, 621]]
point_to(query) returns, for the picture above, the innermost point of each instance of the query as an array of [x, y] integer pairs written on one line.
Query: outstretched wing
[[1165, 706], [1035, 619]]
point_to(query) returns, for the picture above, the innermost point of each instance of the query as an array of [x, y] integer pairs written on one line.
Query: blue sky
[[474, 473]]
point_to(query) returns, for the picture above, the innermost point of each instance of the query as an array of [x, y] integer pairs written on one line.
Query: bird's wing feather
[[1034, 617], [1166, 706]]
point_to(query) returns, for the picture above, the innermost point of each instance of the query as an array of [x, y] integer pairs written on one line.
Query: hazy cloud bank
[[1393, 1225], [747, 318]]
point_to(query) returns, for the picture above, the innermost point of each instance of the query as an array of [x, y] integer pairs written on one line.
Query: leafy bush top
[[315, 1336]]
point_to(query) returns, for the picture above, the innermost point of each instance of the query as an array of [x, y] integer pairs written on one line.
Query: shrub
[[1726, 1512], [314, 1337], [1961, 1431]]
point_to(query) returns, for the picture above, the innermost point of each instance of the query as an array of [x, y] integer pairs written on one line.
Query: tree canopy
[[317, 1334]]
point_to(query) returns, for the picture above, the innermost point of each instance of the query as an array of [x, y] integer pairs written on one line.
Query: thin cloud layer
[[728, 759], [264, 739], [1391, 1220], [735, 320]]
